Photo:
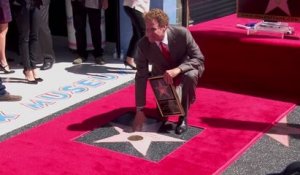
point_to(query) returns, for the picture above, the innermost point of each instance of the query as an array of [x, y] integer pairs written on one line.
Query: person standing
[[27, 15], [5, 18], [91, 9], [135, 10], [173, 53], [45, 38]]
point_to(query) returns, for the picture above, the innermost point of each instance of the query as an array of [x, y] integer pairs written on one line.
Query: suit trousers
[[28, 23], [45, 37], [80, 13], [186, 90]]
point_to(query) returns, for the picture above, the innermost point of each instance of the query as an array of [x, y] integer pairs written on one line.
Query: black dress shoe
[[32, 82], [133, 67], [48, 63], [6, 70], [181, 126], [165, 127], [38, 79]]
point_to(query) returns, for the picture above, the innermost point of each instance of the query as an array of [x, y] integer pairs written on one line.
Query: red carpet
[[260, 64], [231, 123]]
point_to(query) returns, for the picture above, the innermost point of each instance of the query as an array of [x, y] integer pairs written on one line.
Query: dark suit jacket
[[184, 51]]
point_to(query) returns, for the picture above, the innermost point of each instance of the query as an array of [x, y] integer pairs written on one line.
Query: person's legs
[[186, 91], [35, 18], [3, 62], [138, 27], [138, 31], [79, 21], [45, 39], [95, 22], [23, 25], [23, 21]]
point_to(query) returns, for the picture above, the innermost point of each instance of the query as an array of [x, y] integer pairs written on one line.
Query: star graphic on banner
[[162, 89], [7, 117], [282, 4], [281, 132], [139, 140]]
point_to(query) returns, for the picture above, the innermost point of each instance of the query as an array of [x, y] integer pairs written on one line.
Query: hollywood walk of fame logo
[[152, 143], [281, 4], [7, 117]]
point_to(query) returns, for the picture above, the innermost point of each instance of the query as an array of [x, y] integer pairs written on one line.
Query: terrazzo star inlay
[[152, 143]]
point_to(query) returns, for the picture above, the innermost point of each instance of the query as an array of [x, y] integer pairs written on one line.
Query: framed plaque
[[166, 97]]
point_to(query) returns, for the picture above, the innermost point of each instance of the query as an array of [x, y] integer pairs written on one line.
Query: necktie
[[165, 51]]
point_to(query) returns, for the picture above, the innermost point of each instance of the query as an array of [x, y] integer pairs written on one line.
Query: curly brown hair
[[159, 15]]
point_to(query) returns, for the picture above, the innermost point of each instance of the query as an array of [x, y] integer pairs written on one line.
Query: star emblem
[[282, 4], [162, 89], [281, 131], [139, 140], [7, 117]]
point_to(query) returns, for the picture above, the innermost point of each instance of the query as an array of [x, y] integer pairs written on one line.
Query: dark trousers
[[28, 24], [80, 14], [2, 88], [186, 90], [45, 37], [138, 29]]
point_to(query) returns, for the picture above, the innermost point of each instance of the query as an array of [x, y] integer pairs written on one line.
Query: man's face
[[154, 32]]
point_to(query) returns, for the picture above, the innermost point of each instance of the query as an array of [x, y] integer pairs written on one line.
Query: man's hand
[[138, 121], [170, 74]]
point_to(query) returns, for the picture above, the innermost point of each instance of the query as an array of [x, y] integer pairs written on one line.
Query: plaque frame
[[166, 98]]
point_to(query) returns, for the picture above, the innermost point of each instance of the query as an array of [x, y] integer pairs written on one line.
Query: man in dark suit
[[45, 37], [173, 53]]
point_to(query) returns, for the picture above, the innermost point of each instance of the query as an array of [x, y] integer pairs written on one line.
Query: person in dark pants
[[91, 9], [45, 38], [5, 18], [27, 15], [135, 11]]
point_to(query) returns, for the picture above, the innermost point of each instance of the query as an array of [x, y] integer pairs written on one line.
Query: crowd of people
[[171, 50], [35, 39]]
